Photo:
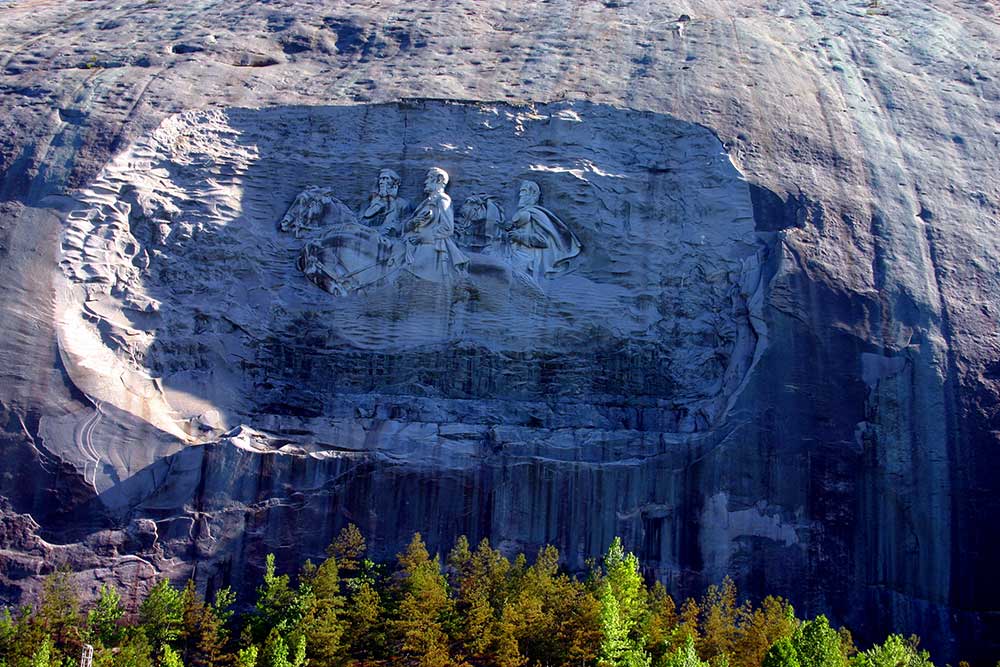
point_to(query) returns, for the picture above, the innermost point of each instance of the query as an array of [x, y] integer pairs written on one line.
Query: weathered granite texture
[[775, 357]]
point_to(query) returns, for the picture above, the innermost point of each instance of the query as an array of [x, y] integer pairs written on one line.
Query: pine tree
[[556, 619], [781, 654], [819, 645], [529, 612], [622, 597], [459, 561], [7, 634], [322, 624], [275, 651], [661, 621], [170, 658], [247, 657], [104, 620], [688, 624], [203, 634], [719, 630], [43, 655], [894, 652], [507, 652], [349, 549], [759, 629], [618, 649], [481, 582], [278, 606], [133, 651], [847, 646], [22, 635], [161, 615], [364, 614], [579, 614], [622, 575], [424, 602], [483, 609], [58, 614], [684, 655]]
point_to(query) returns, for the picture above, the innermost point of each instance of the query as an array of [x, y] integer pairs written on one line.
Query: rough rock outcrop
[[774, 355]]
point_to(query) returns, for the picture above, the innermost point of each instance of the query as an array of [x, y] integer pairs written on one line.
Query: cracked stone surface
[[776, 357]]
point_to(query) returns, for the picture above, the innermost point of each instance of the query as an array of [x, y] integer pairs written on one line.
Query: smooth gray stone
[[806, 397]]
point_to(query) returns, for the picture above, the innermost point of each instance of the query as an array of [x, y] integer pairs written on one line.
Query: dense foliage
[[476, 608]]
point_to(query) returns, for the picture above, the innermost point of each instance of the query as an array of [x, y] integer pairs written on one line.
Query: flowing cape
[[561, 244]]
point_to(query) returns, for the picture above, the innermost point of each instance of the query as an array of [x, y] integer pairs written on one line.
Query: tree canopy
[[474, 608]]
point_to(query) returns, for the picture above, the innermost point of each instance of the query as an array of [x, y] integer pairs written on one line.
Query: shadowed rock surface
[[775, 357]]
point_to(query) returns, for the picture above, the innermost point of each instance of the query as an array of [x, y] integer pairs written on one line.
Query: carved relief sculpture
[[354, 251], [314, 209], [345, 252], [431, 252], [481, 222], [385, 209], [539, 243]]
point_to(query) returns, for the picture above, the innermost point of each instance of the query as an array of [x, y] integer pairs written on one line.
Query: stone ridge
[[869, 423]]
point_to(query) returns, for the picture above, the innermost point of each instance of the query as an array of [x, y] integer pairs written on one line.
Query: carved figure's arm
[[375, 206], [522, 232], [446, 226]]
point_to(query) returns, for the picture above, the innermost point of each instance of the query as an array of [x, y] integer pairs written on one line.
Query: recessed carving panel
[[291, 270]]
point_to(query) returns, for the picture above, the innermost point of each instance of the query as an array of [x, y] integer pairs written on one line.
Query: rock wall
[[775, 355]]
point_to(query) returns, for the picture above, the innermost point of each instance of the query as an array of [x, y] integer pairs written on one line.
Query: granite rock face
[[773, 353]]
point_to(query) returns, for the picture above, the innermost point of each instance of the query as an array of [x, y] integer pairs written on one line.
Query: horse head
[[480, 220]]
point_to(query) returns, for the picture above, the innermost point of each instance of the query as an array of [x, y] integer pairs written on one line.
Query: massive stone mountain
[[775, 354]]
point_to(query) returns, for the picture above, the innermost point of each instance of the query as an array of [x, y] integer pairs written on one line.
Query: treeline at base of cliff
[[477, 608]]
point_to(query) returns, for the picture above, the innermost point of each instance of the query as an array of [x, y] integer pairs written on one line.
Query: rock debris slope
[[776, 354]]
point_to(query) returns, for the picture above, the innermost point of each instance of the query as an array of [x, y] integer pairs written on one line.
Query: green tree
[[8, 636], [894, 652], [759, 629], [349, 549], [481, 580], [507, 652], [687, 626], [555, 618], [364, 614], [204, 635], [819, 645], [459, 560], [104, 620], [661, 621], [623, 609], [424, 604], [847, 646], [44, 654], [323, 609], [134, 650], [247, 657], [618, 648], [782, 654], [621, 574], [719, 630], [58, 614], [170, 658], [278, 606], [684, 655], [161, 616], [482, 610], [275, 651]]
